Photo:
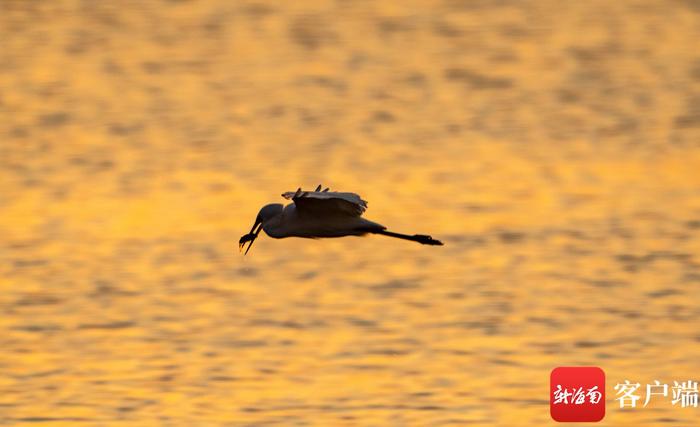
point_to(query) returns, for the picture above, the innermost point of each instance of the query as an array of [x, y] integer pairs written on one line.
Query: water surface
[[553, 146]]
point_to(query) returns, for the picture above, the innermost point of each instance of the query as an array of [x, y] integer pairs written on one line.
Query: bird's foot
[[427, 240]]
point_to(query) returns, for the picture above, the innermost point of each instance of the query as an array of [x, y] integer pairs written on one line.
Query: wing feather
[[327, 202]]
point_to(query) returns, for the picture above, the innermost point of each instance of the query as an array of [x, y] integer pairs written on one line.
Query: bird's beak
[[250, 237]]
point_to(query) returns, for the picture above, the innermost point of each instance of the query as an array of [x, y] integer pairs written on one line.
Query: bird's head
[[266, 214]]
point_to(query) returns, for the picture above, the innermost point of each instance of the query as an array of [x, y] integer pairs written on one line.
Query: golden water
[[554, 146]]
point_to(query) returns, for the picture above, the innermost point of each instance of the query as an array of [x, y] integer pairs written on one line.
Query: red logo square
[[577, 394]]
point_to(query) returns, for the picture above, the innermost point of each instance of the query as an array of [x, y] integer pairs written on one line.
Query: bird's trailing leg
[[420, 238]]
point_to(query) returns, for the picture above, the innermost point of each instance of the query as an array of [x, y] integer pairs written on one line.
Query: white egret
[[315, 214]]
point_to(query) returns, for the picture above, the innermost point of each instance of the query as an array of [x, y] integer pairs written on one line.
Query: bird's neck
[[274, 227]]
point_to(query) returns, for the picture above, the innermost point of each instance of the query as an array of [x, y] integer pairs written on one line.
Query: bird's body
[[293, 223], [316, 214]]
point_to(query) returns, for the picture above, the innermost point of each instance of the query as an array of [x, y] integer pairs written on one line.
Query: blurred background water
[[554, 146]]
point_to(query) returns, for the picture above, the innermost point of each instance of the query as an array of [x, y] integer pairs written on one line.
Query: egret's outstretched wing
[[327, 202]]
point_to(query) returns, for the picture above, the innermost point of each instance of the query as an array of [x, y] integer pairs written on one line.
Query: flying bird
[[314, 214]]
